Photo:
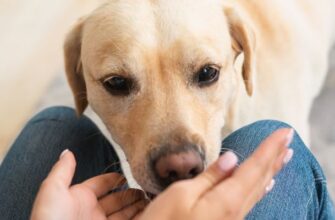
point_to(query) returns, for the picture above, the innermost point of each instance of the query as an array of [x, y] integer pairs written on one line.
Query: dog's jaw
[[144, 180], [126, 170]]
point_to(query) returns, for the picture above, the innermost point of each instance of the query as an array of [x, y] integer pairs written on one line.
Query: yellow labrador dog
[[166, 78]]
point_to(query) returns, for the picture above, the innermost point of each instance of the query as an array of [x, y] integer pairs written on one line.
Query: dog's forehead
[[177, 17], [153, 22], [123, 28]]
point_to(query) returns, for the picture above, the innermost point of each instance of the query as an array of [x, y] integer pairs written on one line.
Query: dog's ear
[[243, 40], [73, 66]]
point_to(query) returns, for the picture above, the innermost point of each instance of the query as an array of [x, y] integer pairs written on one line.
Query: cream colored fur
[[272, 54]]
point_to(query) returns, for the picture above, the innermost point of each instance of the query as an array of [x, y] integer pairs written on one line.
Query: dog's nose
[[177, 166]]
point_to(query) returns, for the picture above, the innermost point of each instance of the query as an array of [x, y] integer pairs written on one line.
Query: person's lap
[[300, 189], [38, 147]]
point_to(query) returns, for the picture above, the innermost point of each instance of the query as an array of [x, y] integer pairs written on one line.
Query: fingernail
[[63, 153], [227, 161], [270, 186], [288, 156], [289, 137]]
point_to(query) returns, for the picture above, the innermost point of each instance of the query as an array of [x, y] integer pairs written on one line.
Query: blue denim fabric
[[300, 191], [38, 147]]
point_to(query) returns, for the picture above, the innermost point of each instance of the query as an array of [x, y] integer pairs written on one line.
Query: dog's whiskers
[[111, 165]]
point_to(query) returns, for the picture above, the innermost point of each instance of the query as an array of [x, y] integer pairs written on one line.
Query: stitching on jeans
[[316, 181], [228, 149], [320, 180], [309, 201]]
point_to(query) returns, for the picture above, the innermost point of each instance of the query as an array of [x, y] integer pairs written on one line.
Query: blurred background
[[32, 73], [31, 56]]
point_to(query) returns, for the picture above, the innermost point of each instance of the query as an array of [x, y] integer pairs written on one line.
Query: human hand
[[224, 191], [56, 199]]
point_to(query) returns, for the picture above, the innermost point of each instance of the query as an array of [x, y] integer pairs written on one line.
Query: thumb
[[63, 170], [218, 171]]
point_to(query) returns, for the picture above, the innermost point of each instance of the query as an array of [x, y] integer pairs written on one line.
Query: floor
[[32, 74]]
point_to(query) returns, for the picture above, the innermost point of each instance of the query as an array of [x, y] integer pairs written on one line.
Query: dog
[[171, 78]]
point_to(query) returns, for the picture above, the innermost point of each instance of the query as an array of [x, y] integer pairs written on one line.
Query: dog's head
[[161, 76]]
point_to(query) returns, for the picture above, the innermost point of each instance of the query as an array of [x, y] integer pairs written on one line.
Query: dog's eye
[[207, 75], [118, 85]]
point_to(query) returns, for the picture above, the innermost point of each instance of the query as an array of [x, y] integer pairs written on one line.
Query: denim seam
[[316, 181], [308, 202], [320, 180]]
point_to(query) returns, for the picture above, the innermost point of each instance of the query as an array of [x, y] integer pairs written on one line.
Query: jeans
[[300, 191]]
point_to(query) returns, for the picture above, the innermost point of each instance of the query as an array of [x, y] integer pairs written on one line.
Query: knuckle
[[237, 193], [209, 178], [259, 163], [259, 167], [277, 167], [237, 186], [231, 211]]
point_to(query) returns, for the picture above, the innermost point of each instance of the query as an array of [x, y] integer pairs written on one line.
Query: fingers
[[218, 171], [63, 171], [102, 184], [129, 212], [265, 162], [116, 201], [265, 184], [248, 183]]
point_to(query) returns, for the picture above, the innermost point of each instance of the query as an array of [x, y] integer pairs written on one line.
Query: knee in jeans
[[61, 113], [263, 126], [270, 123], [251, 136]]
